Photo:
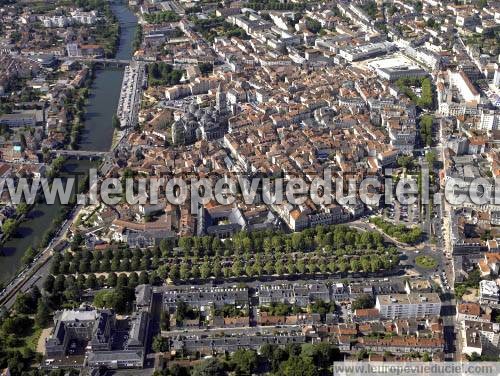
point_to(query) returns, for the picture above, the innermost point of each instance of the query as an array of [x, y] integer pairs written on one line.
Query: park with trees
[[408, 85], [333, 249], [402, 233], [163, 74], [217, 26], [20, 330]]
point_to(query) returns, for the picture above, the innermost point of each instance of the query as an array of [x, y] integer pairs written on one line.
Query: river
[[97, 135]]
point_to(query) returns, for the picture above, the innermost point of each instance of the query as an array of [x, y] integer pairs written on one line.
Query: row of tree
[[85, 261], [337, 248], [335, 236], [259, 265], [61, 283], [426, 129], [33, 303], [285, 266]]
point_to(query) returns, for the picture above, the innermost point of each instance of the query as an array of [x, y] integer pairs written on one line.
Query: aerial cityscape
[[249, 187]]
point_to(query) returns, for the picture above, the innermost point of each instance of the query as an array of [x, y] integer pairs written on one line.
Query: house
[[205, 296], [25, 118], [296, 293], [368, 314], [398, 345], [489, 264], [473, 312], [221, 345], [230, 322], [417, 285]]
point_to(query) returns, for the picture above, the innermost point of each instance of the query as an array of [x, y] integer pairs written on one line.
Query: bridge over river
[[79, 154]]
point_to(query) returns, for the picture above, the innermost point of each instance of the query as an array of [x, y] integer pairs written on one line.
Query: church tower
[[220, 100]]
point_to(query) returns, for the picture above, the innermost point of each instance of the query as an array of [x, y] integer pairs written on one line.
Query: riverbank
[[96, 134]]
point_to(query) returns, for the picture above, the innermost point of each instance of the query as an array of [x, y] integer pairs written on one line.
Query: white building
[[467, 90], [488, 292], [477, 336], [415, 305], [354, 53], [76, 17], [490, 120], [496, 78]]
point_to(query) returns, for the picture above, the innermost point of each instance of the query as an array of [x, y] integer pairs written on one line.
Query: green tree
[[405, 161], [322, 354], [91, 282], [160, 344], [42, 317], [28, 256], [184, 271], [313, 25], [362, 354], [112, 279], [116, 122], [24, 303], [8, 227], [48, 284], [244, 362], [22, 208], [17, 324], [363, 301], [430, 158], [209, 367], [298, 366]]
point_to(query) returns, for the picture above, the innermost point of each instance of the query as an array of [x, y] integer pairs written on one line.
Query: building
[[488, 292], [201, 123], [355, 53], [414, 305], [73, 326], [94, 333], [473, 312], [221, 345], [297, 294], [221, 220], [479, 336], [417, 285], [205, 296], [465, 87], [24, 118], [398, 345], [490, 120], [395, 73], [116, 359]]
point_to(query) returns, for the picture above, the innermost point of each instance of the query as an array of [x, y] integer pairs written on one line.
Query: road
[[448, 314]]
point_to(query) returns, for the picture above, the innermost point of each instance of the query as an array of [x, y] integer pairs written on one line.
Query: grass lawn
[[29, 341], [426, 262], [32, 340]]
